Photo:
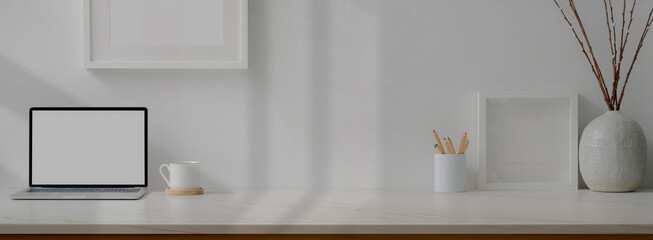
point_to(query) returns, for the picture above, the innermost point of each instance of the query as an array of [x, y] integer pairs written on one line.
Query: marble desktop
[[338, 211]]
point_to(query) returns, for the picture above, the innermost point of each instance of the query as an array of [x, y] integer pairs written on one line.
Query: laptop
[[87, 153]]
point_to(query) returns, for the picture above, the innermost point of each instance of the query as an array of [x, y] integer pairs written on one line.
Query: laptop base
[[26, 194]]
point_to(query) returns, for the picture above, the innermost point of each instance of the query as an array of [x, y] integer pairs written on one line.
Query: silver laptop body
[[87, 153]]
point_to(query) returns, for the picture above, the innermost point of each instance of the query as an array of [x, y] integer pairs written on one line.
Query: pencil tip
[[433, 130], [449, 138]]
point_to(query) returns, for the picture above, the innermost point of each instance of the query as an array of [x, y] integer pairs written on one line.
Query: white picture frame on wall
[[528, 140], [165, 34]]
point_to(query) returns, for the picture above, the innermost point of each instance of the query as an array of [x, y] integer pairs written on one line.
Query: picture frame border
[[483, 96], [89, 63]]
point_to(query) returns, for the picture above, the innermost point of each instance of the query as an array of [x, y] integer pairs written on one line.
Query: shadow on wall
[[258, 135], [259, 112], [403, 165], [19, 90], [320, 125]]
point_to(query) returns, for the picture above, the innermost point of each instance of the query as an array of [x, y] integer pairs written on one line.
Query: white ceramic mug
[[183, 175], [450, 172]]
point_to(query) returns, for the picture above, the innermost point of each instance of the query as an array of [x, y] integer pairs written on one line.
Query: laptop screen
[[88, 146]]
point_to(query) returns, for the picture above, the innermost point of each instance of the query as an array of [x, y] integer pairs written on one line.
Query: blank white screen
[[88, 147]]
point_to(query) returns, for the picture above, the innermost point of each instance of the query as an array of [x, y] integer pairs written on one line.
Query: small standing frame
[[528, 140]]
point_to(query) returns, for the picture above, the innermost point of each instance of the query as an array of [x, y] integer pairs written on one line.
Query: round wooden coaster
[[196, 191]]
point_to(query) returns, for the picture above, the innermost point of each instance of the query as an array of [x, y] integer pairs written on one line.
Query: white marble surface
[[338, 211]]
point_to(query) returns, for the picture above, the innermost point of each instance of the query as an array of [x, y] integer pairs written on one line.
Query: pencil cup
[[450, 173]]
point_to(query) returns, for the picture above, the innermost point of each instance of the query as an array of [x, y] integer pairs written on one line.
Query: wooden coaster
[[196, 191]]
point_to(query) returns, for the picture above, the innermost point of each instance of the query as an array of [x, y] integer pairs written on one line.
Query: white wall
[[339, 94]]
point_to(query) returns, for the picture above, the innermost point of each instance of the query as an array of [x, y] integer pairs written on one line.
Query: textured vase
[[612, 153]]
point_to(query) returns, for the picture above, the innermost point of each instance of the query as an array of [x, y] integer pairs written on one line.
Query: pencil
[[453, 149], [466, 145], [437, 138], [462, 144], [437, 149], [446, 145]]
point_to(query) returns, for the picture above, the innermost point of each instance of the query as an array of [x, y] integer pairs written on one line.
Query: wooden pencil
[[462, 144], [446, 145], [437, 138], [466, 145], [453, 149], [438, 151]]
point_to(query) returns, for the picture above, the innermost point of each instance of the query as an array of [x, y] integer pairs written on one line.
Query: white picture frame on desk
[[528, 140], [165, 34]]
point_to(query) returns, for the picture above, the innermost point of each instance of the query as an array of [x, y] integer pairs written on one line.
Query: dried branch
[[621, 53], [614, 32], [613, 48], [607, 23], [623, 23], [582, 45], [617, 53], [629, 23], [625, 42], [596, 64], [649, 20], [615, 82]]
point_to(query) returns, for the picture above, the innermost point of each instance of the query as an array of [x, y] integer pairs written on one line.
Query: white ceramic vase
[[612, 153]]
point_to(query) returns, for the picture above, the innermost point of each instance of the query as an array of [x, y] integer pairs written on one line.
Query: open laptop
[[87, 153]]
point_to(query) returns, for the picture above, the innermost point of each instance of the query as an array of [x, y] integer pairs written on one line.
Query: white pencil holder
[[450, 172]]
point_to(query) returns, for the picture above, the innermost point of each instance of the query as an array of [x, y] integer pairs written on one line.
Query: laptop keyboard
[[86, 190]]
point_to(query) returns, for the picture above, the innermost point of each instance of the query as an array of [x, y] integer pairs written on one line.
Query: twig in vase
[[613, 47], [617, 53], [615, 79], [649, 20], [594, 65], [614, 31], [622, 45], [623, 23], [582, 46], [625, 42]]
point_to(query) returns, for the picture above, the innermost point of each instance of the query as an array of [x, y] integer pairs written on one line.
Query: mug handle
[[162, 175]]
